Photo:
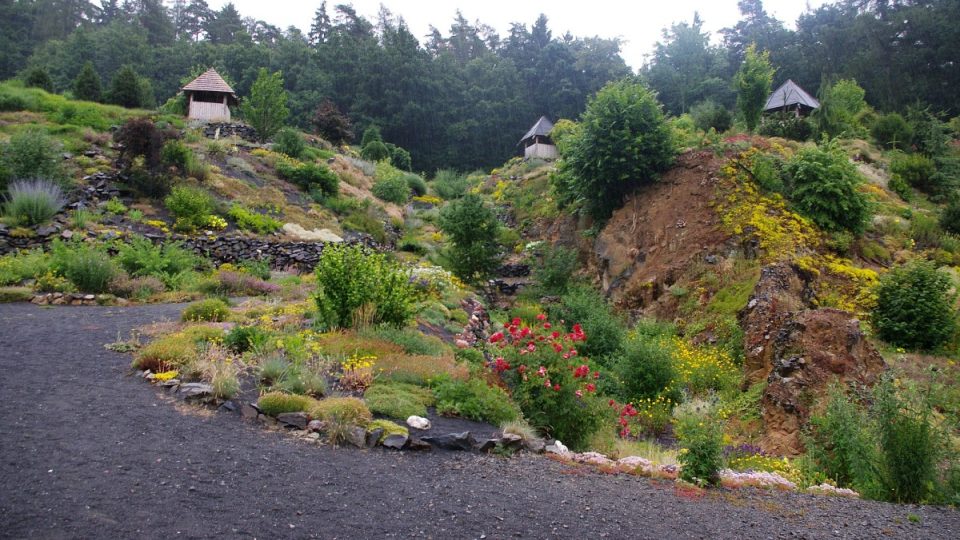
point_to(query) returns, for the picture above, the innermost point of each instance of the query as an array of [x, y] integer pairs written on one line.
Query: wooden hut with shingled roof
[[209, 98], [537, 143], [791, 98]]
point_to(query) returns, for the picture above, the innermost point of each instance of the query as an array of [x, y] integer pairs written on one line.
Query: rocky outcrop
[[799, 351], [218, 130]]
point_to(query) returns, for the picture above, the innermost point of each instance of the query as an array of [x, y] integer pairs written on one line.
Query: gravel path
[[87, 451]]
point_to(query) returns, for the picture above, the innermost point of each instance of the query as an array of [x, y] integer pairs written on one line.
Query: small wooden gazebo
[[209, 98], [537, 143], [791, 98]]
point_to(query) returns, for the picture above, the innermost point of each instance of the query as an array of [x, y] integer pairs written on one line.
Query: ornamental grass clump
[[553, 386], [274, 403], [164, 354], [87, 266], [340, 413], [33, 202], [398, 400]]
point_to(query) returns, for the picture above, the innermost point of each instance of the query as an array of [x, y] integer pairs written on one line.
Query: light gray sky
[[638, 23]]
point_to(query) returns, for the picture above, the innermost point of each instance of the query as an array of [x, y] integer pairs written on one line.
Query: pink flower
[[515, 321], [579, 393], [531, 347], [542, 371], [541, 317], [522, 369], [546, 383], [500, 365]]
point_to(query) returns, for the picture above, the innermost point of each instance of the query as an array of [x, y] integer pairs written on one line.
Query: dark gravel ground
[[87, 451]]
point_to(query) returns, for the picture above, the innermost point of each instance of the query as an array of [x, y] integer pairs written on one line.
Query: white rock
[[557, 448], [632, 463], [418, 422], [322, 235]]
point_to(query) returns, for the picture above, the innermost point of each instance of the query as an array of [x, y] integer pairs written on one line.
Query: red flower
[[556, 388], [546, 326], [531, 347], [573, 352], [515, 321], [522, 369], [525, 332], [496, 337], [612, 403], [500, 365], [591, 387], [596, 374], [555, 334], [557, 347], [581, 371], [541, 317]]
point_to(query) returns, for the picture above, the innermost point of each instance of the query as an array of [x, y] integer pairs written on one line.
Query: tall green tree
[[840, 103], [125, 88], [266, 108], [622, 142], [753, 82], [472, 227], [87, 84]]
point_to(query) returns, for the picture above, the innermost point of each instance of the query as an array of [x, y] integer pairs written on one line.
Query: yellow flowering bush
[[700, 369], [166, 375], [357, 371]]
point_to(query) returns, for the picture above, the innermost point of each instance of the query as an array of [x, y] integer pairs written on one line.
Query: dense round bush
[[289, 142], [175, 154], [241, 339], [917, 170], [950, 217], [824, 188], [892, 131], [209, 310], [31, 153], [393, 189], [915, 307], [646, 368], [87, 266], [274, 403], [472, 228], [711, 115], [417, 184], [190, 206], [787, 125], [375, 151], [310, 176]]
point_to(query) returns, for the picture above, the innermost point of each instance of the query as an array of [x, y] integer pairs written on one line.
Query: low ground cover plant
[[209, 310]]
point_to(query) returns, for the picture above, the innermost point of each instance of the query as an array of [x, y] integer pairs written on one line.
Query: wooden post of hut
[[209, 98], [537, 143]]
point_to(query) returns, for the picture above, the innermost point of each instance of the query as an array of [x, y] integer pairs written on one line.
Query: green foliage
[[310, 176], [787, 125], [288, 141], [925, 231], [343, 410], [449, 184], [752, 82], [209, 310], [645, 366], [701, 448], [605, 331], [370, 135], [87, 86], [915, 307], [555, 269], [472, 227], [354, 287], [709, 115], [32, 202], [416, 184], [476, 400], [909, 445], [410, 340], [950, 217], [38, 77], [824, 188], [87, 266], [398, 400], [918, 170], [31, 153], [190, 206], [248, 220], [931, 137], [22, 265], [767, 172], [363, 220], [391, 184], [274, 403], [839, 443], [623, 142], [840, 105], [375, 151], [125, 89], [266, 107], [166, 261], [892, 131], [176, 154], [400, 159], [900, 186]]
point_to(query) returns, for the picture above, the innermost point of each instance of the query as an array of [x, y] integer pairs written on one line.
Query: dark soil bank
[[87, 451]]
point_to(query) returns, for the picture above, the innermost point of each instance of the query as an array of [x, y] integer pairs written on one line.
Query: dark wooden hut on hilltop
[[537, 143], [791, 98]]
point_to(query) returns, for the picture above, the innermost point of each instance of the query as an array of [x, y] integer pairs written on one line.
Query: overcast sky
[[638, 23]]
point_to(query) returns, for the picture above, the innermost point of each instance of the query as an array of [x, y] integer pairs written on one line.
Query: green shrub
[[787, 125], [700, 438], [87, 86], [210, 310], [838, 442], [398, 400], [19, 266], [622, 142], [32, 202], [169, 352], [175, 154], [915, 307], [241, 339], [900, 186], [950, 216], [274, 403], [166, 261], [555, 269], [375, 151], [310, 176], [191, 207], [31, 153], [289, 142], [824, 188], [348, 410], [449, 184], [364, 221], [605, 331], [472, 227], [767, 171], [645, 367], [299, 379], [87, 266], [357, 287], [892, 131], [409, 339], [37, 77], [417, 185], [266, 107], [249, 220], [391, 184], [709, 115], [400, 158], [925, 231], [476, 400], [918, 170]]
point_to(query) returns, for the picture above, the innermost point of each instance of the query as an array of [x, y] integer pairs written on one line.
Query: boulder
[[395, 442], [418, 422], [452, 441], [373, 437], [557, 448], [357, 436], [316, 426], [810, 351], [248, 412], [417, 444], [296, 420], [194, 391]]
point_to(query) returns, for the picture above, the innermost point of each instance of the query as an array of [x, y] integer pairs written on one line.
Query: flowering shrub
[[700, 454], [554, 387], [749, 458], [648, 416], [700, 369], [357, 372]]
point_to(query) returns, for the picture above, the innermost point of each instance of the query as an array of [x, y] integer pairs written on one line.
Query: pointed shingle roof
[[789, 94], [542, 128], [210, 81]]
